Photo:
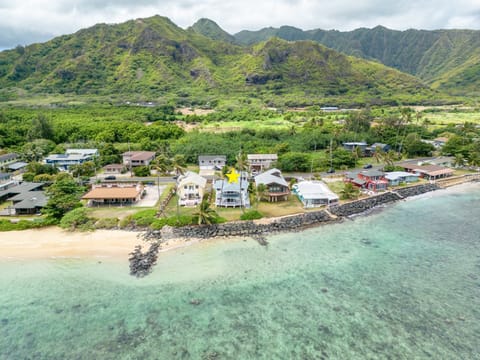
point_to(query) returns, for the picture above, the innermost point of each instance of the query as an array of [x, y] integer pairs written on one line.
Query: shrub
[[107, 223], [144, 217], [77, 219], [251, 215]]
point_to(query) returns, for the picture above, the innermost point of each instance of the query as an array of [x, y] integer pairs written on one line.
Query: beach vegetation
[[205, 214], [349, 192], [77, 219], [251, 215], [107, 223], [64, 195]]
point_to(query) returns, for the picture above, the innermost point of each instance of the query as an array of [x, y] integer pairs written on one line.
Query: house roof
[[22, 188], [30, 200], [272, 176], [262, 156], [361, 143], [113, 193], [372, 173], [68, 157], [224, 186], [212, 157], [139, 155], [394, 175], [441, 139], [18, 165], [191, 177], [315, 190], [7, 157], [82, 151]]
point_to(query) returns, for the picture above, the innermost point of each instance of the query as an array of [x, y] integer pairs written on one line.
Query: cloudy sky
[[27, 21]]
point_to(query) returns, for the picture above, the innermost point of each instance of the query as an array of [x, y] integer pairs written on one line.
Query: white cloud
[[30, 21]]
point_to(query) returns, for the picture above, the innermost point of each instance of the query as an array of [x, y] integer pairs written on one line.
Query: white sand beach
[[54, 242]]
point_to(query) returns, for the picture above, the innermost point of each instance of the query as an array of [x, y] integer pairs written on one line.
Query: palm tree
[[242, 165], [357, 154], [459, 160], [262, 192], [378, 154], [162, 164], [178, 164], [205, 214]]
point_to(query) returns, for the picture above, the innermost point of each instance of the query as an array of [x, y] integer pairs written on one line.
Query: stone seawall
[[248, 228], [360, 206], [416, 190], [292, 222]]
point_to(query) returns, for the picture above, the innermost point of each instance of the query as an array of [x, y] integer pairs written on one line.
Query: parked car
[[110, 177], [368, 166], [330, 171]]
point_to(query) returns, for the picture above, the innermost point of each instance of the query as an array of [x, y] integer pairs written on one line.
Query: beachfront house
[[277, 186], [260, 162], [190, 189], [114, 195], [314, 194], [232, 194], [428, 172], [27, 198], [70, 158], [212, 162], [137, 158], [373, 180], [395, 178]]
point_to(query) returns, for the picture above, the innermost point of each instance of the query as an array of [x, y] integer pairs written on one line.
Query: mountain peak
[[212, 30]]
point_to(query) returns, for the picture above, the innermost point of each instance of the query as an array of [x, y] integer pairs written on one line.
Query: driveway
[[151, 196]]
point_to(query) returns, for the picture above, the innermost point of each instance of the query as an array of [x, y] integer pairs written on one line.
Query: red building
[[373, 180]]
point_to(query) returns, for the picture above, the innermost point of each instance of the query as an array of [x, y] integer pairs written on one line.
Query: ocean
[[400, 283]]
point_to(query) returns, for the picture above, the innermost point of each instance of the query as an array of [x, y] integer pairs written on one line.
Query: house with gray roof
[[6, 181], [7, 159], [314, 194], [212, 162], [27, 198], [232, 194], [260, 162], [401, 177], [277, 186], [70, 158]]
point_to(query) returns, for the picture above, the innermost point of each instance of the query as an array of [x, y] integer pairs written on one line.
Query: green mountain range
[[153, 58], [446, 59]]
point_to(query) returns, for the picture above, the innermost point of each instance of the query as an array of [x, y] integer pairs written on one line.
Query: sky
[[25, 22]]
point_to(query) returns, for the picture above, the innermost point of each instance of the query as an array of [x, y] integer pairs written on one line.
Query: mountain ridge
[[154, 57]]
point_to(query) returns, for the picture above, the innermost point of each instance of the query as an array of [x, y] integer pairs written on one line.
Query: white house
[[212, 162], [190, 188], [314, 193], [233, 194], [261, 162]]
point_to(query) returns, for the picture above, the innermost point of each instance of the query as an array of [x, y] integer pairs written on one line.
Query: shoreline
[[56, 243]]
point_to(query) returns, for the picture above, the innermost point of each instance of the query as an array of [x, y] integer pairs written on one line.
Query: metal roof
[[272, 176]]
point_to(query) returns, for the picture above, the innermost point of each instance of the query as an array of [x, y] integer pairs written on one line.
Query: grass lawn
[[281, 208]]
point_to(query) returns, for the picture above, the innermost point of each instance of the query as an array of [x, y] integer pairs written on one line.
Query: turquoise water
[[402, 283]]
